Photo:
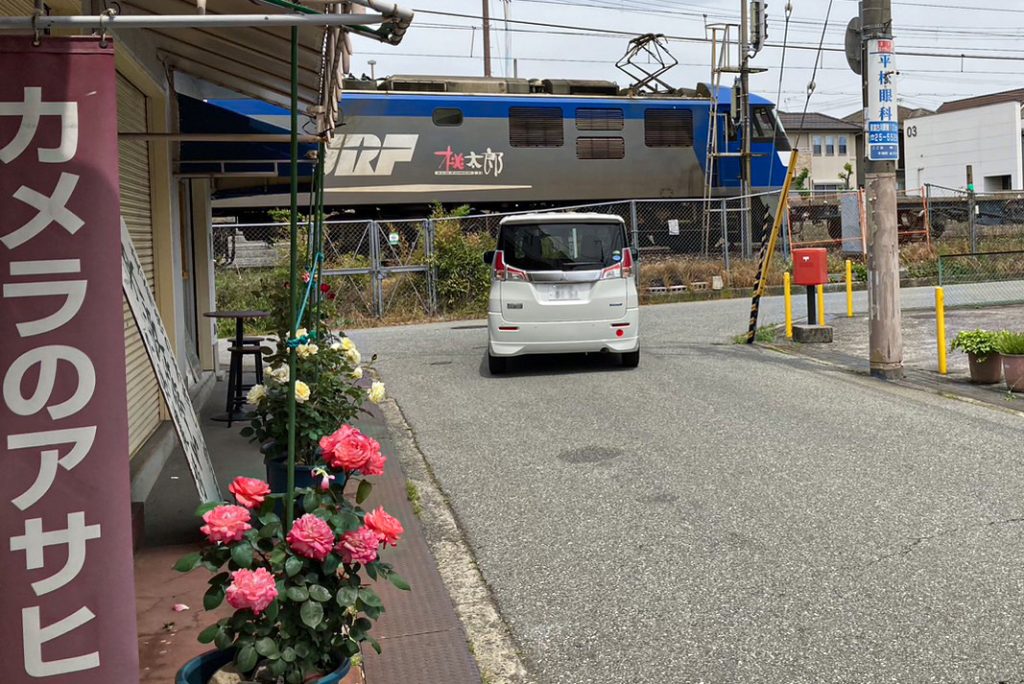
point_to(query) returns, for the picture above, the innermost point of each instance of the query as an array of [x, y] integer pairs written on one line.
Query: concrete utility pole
[[487, 38], [745, 155], [882, 152]]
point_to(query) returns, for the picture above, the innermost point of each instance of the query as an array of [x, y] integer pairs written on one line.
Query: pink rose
[[388, 529], [359, 546], [375, 464], [348, 449], [249, 491], [311, 537], [226, 524], [252, 589]]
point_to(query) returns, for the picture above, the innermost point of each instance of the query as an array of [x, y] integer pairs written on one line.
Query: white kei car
[[562, 283]]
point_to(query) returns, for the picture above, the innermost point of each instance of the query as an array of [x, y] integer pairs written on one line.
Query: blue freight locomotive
[[407, 142]]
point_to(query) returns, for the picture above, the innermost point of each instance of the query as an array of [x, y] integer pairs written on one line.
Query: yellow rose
[[377, 392], [257, 394], [306, 350], [347, 344], [353, 356], [301, 332], [357, 374], [301, 392], [279, 374]]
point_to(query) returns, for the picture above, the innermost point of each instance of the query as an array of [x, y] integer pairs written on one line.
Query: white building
[[983, 132]]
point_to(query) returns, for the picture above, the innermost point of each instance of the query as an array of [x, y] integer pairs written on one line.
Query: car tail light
[[623, 269], [502, 271]]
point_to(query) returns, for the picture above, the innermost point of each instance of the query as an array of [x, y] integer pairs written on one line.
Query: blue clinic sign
[[881, 120]]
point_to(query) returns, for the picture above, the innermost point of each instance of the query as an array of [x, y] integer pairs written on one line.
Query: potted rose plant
[[302, 605], [327, 391], [980, 346], [1010, 346]]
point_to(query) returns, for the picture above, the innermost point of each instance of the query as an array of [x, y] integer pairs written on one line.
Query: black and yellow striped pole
[[768, 242]]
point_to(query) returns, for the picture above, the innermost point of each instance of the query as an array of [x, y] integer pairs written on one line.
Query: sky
[[452, 45]]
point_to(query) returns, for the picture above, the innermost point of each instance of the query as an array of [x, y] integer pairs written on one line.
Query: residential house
[[827, 148]]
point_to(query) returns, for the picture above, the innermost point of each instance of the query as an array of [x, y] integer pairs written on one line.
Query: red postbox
[[810, 266]]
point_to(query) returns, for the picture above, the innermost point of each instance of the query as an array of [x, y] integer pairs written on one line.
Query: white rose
[[353, 356], [377, 392], [306, 350], [335, 346], [301, 392], [257, 394], [280, 374], [357, 374]]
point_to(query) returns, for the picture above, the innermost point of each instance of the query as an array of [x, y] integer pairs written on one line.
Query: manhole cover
[[590, 454]]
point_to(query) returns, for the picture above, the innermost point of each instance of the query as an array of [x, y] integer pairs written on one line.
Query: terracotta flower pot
[[987, 372], [1013, 372]]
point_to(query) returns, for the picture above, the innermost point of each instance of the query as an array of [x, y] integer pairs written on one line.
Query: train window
[[668, 128], [447, 116], [600, 148], [535, 127], [763, 125], [599, 119]]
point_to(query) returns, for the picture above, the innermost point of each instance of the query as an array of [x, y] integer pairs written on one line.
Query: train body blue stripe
[[474, 106]]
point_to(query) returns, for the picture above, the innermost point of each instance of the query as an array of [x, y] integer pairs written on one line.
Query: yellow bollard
[[849, 289], [787, 282], [940, 327], [821, 305]]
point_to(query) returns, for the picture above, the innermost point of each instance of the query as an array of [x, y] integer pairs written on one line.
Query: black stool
[[236, 387]]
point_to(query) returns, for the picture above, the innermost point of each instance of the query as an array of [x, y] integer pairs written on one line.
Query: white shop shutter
[[136, 208]]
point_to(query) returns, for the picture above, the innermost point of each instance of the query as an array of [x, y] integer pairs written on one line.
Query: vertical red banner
[[67, 600]]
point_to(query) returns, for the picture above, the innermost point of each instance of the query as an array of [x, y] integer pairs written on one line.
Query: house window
[[668, 128], [843, 146], [599, 119], [600, 148], [830, 146], [817, 146], [446, 116], [535, 127]]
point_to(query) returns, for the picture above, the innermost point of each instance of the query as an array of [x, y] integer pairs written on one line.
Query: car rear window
[[562, 246]]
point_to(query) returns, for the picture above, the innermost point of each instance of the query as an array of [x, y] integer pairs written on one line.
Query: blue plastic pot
[[277, 475], [199, 670]]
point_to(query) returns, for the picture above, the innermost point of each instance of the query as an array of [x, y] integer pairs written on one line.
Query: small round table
[[233, 407]]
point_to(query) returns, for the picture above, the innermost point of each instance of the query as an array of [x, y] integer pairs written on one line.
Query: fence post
[[971, 207], [724, 212], [636, 240], [375, 269], [428, 251]]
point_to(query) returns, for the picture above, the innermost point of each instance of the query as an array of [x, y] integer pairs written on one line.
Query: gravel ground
[[722, 513]]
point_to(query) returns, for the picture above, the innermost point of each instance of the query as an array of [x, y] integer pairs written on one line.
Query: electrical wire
[[811, 86]]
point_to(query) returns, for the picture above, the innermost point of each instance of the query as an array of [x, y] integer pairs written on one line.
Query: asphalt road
[[722, 513]]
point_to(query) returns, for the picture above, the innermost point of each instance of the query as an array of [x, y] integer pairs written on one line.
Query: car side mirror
[[489, 257]]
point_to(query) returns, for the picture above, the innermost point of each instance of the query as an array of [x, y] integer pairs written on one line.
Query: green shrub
[[463, 279], [981, 343], [1010, 343]]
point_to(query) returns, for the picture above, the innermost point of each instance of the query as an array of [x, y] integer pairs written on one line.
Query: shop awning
[[237, 156], [255, 61]]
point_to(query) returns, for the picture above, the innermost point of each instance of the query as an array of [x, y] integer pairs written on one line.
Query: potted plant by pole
[[980, 346], [302, 607], [1011, 346], [327, 391]]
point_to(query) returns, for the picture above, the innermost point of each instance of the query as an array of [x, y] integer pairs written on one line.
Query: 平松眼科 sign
[[881, 119]]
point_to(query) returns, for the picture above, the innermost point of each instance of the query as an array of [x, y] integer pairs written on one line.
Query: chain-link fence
[[967, 222], [982, 278]]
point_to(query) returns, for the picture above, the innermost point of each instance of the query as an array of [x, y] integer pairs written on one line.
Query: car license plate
[[563, 293]]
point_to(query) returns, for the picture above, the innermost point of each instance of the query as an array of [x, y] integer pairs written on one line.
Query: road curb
[[490, 639]]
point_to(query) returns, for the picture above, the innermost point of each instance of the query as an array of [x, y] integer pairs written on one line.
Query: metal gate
[[377, 266]]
